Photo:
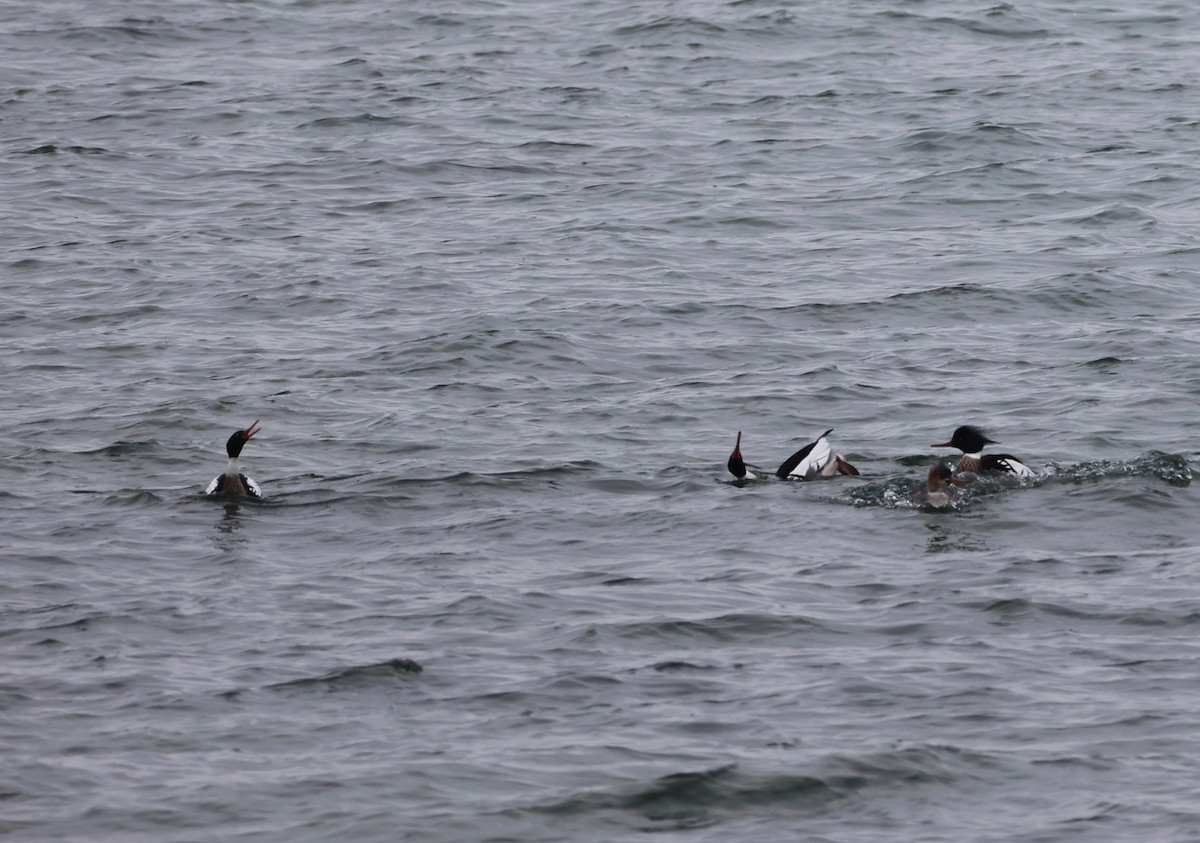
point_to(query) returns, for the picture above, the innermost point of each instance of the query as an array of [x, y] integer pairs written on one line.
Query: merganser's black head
[[234, 446], [968, 439], [736, 466]]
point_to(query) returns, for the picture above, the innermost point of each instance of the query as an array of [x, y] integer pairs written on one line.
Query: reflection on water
[[227, 528], [945, 538]]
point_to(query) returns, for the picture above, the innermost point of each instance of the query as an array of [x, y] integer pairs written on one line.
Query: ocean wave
[[698, 799], [356, 677]]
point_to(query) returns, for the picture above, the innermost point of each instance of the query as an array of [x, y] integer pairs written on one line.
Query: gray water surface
[[502, 281]]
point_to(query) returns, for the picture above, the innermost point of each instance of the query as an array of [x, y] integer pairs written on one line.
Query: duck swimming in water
[[814, 461], [934, 493], [736, 465], [971, 441], [232, 481]]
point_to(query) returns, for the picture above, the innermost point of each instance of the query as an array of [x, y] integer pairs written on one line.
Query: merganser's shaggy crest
[[233, 482], [971, 441], [812, 462], [934, 493], [736, 466]]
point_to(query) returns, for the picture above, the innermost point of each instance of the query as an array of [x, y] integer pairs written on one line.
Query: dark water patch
[[128, 31], [1161, 617], [124, 448], [1013, 610], [698, 799], [356, 677], [1106, 365], [134, 498], [1113, 213], [1061, 293], [723, 629], [583, 684], [1001, 21], [946, 539], [691, 800], [556, 146], [679, 667], [626, 581], [40, 560], [945, 140], [1007, 610], [54, 149], [43, 610], [671, 26], [156, 621], [365, 119], [1088, 762]]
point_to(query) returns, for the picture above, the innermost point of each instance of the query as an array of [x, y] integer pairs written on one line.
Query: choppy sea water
[[502, 281]]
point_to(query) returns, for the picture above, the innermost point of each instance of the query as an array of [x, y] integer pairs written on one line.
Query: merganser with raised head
[[971, 441], [934, 493], [233, 482], [814, 461]]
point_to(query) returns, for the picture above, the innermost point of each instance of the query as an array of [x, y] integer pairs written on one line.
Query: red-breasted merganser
[[736, 465], [815, 460], [971, 441], [233, 482], [934, 493]]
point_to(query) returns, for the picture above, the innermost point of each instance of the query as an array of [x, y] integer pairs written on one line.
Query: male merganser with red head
[[971, 441], [812, 462], [233, 482], [934, 493]]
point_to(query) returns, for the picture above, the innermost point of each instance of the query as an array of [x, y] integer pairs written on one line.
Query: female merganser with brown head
[[233, 482], [814, 461], [971, 441], [934, 493]]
